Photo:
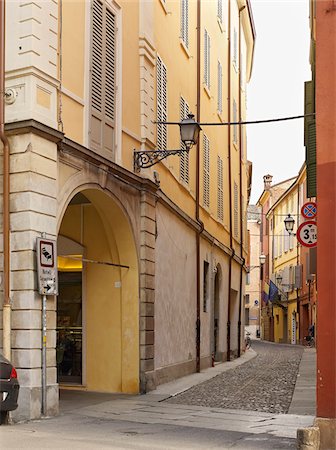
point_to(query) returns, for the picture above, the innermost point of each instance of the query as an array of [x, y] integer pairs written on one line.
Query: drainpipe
[[240, 182], [197, 212], [6, 151], [228, 335], [297, 264]]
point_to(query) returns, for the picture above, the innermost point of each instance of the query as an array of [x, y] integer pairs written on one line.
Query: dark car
[[9, 388]]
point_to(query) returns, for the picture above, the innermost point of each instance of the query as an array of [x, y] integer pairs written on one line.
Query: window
[[184, 158], [103, 73], [161, 92], [220, 188], [235, 119], [219, 88], [248, 278], [220, 10], [205, 285], [247, 316], [206, 59], [206, 171], [235, 49], [247, 299], [185, 22], [235, 205]]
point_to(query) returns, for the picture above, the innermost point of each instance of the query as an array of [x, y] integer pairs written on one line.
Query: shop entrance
[[69, 328]]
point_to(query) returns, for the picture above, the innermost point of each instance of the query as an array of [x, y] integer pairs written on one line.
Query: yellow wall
[[111, 313]]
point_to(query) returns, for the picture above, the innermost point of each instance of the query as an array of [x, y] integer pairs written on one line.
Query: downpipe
[[6, 230]]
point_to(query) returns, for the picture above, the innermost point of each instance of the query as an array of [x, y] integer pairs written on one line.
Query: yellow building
[[151, 262]]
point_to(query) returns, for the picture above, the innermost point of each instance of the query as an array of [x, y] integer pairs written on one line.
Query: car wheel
[[3, 417]]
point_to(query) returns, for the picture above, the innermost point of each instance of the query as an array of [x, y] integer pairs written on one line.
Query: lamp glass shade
[[289, 223], [262, 259], [189, 130]]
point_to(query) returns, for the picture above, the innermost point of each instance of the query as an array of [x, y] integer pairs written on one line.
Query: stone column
[[147, 291], [32, 211]]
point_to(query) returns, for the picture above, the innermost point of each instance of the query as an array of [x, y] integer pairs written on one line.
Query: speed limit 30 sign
[[307, 233]]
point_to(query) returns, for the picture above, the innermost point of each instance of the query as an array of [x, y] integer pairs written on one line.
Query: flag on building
[[265, 293], [273, 291]]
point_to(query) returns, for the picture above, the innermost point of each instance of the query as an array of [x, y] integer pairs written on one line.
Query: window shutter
[[206, 171], [298, 277], [161, 89], [276, 246], [235, 203], [220, 195], [310, 139], [185, 22], [235, 119], [235, 47], [220, 88], [103, 83], [206, 59], [220, 10], [285, 280], [184, 158]]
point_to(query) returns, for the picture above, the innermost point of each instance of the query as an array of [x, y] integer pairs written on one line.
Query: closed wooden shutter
[[298, 277], [220, 189], [103, 82], [235, 48], [236, 214], [185, 22], [310, 139], [220, 88], [206, 171], [161, 89], [206, 59], [220, 10], [184, 158], [235, 119]]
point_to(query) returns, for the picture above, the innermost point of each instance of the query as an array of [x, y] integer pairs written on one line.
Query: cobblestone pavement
[[266, 383]]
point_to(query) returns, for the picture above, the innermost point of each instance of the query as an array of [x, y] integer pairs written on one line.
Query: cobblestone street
[[265, 383]]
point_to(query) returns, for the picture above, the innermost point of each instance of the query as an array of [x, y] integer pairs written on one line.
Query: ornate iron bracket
[[148, 158]]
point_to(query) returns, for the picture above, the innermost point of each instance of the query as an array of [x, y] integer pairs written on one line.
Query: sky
[[276, 89]]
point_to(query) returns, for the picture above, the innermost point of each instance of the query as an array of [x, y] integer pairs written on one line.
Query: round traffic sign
[[309, 210], [307, 233]]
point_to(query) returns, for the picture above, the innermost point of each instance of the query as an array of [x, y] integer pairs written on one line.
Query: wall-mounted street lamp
[[289, 224], [189, 131], [262, 260]]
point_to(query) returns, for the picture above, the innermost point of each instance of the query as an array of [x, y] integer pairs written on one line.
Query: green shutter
[[310, 139]]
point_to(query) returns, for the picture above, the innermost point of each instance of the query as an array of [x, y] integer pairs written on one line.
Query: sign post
[[47, 285]]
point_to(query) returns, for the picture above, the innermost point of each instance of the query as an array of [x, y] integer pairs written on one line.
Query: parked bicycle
[[247, 340]]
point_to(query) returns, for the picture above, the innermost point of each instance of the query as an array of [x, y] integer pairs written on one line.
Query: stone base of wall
[[30, 403], [327, 433], [173, 372]]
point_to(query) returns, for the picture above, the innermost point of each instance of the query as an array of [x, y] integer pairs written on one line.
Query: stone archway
[[109, 293]]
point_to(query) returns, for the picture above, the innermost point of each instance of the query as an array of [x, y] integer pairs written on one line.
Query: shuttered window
[[103, 73], [220, 189], [310, 138], [287, 240], [184, 158], [235, 49], [161, 92], [220, 10], [206, 59], [219, 88], [235, 209], [206, 172], [185, 22], [235, 119]]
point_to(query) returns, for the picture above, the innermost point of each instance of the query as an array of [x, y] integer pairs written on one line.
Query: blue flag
[[273, 291]]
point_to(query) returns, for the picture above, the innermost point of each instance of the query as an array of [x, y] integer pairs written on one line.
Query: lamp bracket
[[148, 158]]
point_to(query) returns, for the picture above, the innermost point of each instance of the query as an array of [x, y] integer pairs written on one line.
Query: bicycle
[[247, 341]]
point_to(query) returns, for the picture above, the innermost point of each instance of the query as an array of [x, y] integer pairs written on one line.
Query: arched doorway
[[98, 304]]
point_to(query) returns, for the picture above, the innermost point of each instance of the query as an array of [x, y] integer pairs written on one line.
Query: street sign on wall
[[47, 278], [309, 210], [307, 233]]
